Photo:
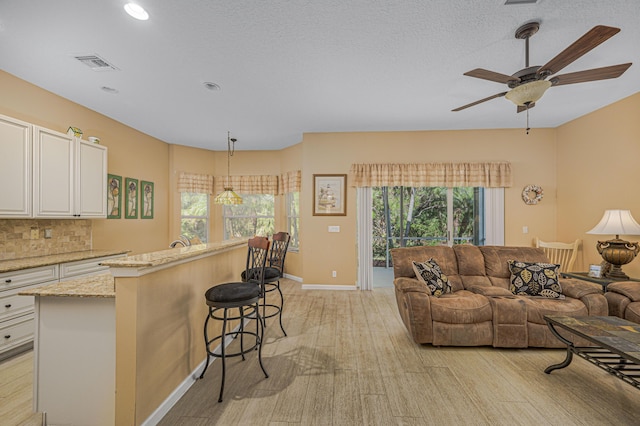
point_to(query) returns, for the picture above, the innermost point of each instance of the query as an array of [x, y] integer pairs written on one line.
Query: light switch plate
[[334, 229], [34, 233]]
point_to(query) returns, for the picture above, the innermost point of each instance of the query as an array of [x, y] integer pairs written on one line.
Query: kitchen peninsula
[[127, 344]]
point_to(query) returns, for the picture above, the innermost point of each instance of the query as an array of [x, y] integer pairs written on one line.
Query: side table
[[603, 281]]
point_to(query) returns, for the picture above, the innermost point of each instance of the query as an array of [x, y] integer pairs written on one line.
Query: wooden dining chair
[[564, 254]]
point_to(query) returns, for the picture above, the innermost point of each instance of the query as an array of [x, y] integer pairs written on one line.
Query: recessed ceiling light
[[136, 11], [211, 86], [109, 90]]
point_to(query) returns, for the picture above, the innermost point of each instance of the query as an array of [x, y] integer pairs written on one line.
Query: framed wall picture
[[114, 197], [329, 195], [131, 198], [146, 201]]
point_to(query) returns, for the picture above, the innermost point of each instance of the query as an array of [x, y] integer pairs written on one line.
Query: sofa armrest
[[414, 304], [405, 284], [577, 289], [491, 291], [630, 289], [588, 293]]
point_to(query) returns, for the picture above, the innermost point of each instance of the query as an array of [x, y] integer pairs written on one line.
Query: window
[[194, 215], [293, 219], [255, 216]]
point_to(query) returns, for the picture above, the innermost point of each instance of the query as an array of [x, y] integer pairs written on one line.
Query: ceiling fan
[[530, 83]]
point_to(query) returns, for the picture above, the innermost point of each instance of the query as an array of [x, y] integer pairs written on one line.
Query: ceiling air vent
[[96, 63], [509, 2]]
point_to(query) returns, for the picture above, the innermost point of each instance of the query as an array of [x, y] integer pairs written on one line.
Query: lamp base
[[617, 252], [616, 273]]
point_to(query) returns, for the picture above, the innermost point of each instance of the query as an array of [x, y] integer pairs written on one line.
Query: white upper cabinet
[[15, 168], [91, 182], [48, 174], [70, 176], [54, 167]]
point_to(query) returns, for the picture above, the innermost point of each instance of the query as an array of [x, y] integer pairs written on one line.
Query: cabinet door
[[91, 193], [53, 174], [15, 168]]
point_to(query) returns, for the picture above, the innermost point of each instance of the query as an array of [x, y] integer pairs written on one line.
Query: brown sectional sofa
[[624, 300], [481, 310]]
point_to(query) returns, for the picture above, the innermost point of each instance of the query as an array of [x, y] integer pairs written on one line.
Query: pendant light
[[228, 196]]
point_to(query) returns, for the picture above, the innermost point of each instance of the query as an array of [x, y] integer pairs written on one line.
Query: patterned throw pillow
[[535, 279], [430, 274]]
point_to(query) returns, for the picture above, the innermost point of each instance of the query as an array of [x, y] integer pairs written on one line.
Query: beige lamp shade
[[528, 92], [616, 222]]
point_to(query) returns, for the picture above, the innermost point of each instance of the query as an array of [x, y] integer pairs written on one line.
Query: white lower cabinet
[[16, 311]]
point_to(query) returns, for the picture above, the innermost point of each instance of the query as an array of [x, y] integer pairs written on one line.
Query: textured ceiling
[[286, 67]]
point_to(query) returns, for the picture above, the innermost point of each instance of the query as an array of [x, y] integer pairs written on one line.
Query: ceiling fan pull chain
[[528, 128]]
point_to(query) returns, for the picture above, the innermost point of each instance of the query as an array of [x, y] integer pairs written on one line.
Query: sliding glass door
[[412, 216]]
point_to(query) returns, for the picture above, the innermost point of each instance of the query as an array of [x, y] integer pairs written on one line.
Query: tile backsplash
[[67, 235]]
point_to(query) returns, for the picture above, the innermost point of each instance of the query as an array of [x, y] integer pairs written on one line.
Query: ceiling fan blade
[[594, 37], [491, 76], [524, 108], [613, 71], [479, 102]]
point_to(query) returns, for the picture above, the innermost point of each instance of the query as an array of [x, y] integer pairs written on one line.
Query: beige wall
[[598, 159], [532, 157], [131, 154]]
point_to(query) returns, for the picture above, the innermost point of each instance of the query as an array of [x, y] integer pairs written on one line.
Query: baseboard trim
[[182, 388], [328, 287], [293, 278]]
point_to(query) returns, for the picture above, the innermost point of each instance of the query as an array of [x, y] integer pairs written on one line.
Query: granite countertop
[[53, 259], [100, 285], [163, 257]]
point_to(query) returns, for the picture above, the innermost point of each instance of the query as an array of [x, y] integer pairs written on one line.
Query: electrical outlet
[[34, 233], [525, 229], [48, 233], [334, 274]]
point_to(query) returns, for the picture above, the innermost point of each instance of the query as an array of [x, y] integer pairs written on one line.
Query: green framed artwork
[[146, 201], [114, 197], [131, 202]]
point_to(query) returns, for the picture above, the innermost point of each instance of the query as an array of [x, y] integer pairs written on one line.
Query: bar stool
[[273, 272], [245, 297]]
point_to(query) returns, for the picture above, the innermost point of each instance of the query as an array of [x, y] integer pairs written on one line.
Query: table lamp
[[617, 252]]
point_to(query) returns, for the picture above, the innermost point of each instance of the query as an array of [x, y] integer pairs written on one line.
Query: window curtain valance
[[251, 184], [290, 182], [192, 182], [488, 175]]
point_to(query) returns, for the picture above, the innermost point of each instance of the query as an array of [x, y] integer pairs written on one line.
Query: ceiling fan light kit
[[529, 84], [528, 93]]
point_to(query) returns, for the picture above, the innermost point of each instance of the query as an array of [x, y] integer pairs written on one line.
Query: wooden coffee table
[[617, 341]]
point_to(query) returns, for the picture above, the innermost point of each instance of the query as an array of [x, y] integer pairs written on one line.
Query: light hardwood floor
[[348, 360]]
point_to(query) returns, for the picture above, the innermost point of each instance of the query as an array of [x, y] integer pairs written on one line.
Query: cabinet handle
[[8, 280], [7, 306], [7, 336]]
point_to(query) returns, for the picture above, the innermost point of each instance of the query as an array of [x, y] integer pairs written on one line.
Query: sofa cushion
[[430, 274], [496, 257], [471, 266], [461, 307], [535, 279], [538, 307], [446, 258]]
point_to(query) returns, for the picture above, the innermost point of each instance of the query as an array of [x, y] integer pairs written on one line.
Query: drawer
[[25, 277], [16, 332], [15, 305], [84, 267]]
